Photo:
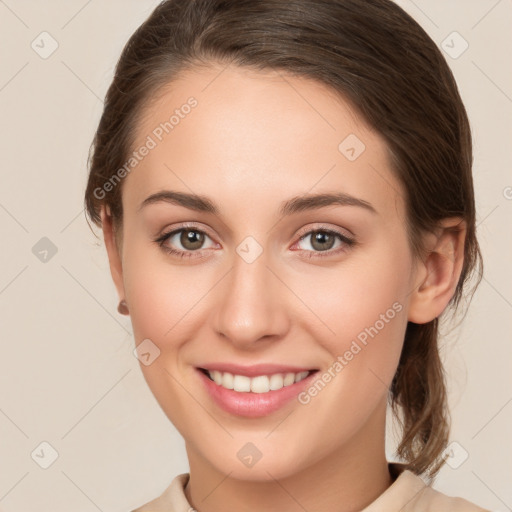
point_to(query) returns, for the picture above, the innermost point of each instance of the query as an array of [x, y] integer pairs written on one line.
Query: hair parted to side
[[378, 58]]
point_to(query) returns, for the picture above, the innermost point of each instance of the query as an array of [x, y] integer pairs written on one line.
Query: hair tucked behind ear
[[373, 55]]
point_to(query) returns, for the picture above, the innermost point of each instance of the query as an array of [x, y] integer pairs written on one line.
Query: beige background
[[67, 373]]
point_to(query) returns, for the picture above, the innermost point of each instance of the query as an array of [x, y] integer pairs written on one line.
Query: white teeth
[[289, 379], [276, 381], [241, 383], [227, 380], [259, 384], [217, 377]]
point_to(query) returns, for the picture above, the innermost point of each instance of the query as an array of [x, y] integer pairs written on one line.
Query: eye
[[322, 240], [191, 239]]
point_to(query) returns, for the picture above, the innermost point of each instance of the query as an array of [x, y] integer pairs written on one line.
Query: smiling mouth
[[256, 384]]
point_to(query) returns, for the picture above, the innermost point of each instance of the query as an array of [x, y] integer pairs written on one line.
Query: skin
[[254, 140]]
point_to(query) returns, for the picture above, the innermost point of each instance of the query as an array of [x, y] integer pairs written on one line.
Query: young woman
[[286, 198]]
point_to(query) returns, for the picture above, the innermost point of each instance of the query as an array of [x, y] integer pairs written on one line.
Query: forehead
[[237, 133]]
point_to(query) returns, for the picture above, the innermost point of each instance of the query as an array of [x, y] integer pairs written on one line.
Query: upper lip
[[254, 370]]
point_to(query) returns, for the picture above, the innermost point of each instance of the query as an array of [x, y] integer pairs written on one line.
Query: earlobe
[[437, 275], [114, 256]]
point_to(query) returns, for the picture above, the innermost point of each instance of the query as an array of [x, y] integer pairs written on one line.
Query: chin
[[274, 462]]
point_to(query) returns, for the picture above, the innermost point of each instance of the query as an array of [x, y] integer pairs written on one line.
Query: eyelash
[[348, 241]]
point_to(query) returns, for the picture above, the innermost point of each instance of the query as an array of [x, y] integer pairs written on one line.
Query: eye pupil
[[189, 236], [322, 237]]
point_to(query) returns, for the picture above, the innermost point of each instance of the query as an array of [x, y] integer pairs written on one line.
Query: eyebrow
[[293, 205]]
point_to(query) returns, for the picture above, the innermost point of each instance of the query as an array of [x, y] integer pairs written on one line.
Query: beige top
[[408, 493]]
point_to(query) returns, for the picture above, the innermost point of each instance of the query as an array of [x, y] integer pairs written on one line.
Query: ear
[[114, 253], [437, 275]]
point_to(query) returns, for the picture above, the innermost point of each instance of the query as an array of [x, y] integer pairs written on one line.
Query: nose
[[251, 305]]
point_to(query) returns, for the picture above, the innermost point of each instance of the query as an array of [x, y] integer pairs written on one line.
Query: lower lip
[[252, 405]]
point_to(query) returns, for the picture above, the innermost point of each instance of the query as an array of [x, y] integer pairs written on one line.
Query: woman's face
[[269, 275]]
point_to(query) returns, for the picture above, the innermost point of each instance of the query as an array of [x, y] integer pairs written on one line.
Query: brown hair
[[379, 59]]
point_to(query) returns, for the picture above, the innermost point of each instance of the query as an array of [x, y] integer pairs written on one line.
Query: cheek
[[169, 304], [363, 308], [361, 294], [162, 300], [160, 294]]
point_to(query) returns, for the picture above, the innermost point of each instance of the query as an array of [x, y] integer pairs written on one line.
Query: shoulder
[[171, 500], [432, 500], [424, 498], [435, 500]]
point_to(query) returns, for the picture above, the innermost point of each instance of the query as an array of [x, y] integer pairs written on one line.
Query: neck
[[347, 480]]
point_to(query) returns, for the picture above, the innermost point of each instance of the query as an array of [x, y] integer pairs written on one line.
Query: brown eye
[[322, 240], [191, 239], [186, 242], [322, 243]]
